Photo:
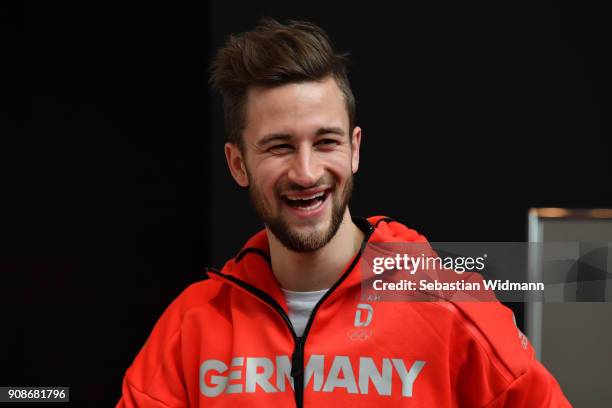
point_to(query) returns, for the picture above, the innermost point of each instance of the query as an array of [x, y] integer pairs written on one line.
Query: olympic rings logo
[[359, 334]]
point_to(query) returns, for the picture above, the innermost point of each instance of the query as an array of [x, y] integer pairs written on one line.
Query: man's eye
[[327, 142], [280, 148]]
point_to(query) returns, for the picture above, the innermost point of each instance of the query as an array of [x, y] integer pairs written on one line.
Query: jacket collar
[[252, 265]]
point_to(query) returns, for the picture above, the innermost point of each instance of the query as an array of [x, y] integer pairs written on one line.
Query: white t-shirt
[[300, 305]]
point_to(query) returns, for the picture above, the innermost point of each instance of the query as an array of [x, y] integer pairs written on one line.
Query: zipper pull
[[297, 360]]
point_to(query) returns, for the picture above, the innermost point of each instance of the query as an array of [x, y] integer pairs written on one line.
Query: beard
[[292, 239]]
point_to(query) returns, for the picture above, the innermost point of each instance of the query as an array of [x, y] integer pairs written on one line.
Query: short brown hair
[[275, 54]]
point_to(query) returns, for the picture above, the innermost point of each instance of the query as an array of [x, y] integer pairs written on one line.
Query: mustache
[[327, 181]]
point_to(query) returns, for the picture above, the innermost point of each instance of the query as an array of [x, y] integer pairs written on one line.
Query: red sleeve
[[155, 378], [134, 398], [494, 364], [534, 389]]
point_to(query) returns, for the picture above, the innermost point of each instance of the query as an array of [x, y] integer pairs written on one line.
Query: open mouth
[[307, 202]]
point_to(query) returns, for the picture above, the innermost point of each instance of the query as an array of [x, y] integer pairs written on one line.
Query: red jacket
[[227, 342]]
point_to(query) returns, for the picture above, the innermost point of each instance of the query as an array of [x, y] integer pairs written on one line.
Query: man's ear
[[355, 143], [236, 164]]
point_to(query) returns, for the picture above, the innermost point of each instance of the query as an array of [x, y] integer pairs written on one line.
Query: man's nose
[[305, 169]]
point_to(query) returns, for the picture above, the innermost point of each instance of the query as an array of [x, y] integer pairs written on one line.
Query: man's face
[[298, 160]]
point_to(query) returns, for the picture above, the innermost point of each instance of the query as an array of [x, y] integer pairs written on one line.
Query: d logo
[[367, 319]]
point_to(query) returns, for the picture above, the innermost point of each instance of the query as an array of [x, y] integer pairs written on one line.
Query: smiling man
[[284, 323], [297, 157]]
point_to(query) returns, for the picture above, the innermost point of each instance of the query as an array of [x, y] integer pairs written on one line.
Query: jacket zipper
[[298, 354], [297, 358]]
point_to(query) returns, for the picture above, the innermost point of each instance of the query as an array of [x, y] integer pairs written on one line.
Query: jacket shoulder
[[162, 349], [195, 297], [493, 327], [198, 294]]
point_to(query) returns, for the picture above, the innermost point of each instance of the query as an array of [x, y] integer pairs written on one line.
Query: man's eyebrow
[[327, 130]]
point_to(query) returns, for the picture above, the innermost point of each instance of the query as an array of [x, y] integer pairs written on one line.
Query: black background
[[115, 192]]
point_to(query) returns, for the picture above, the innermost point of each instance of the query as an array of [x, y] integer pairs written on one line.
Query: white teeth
[[306, 198], [312, 207]]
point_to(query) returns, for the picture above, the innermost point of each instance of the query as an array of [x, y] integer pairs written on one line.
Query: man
[[283, 323]]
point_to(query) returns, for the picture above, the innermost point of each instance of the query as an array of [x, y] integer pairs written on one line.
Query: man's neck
[[310, 271]]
